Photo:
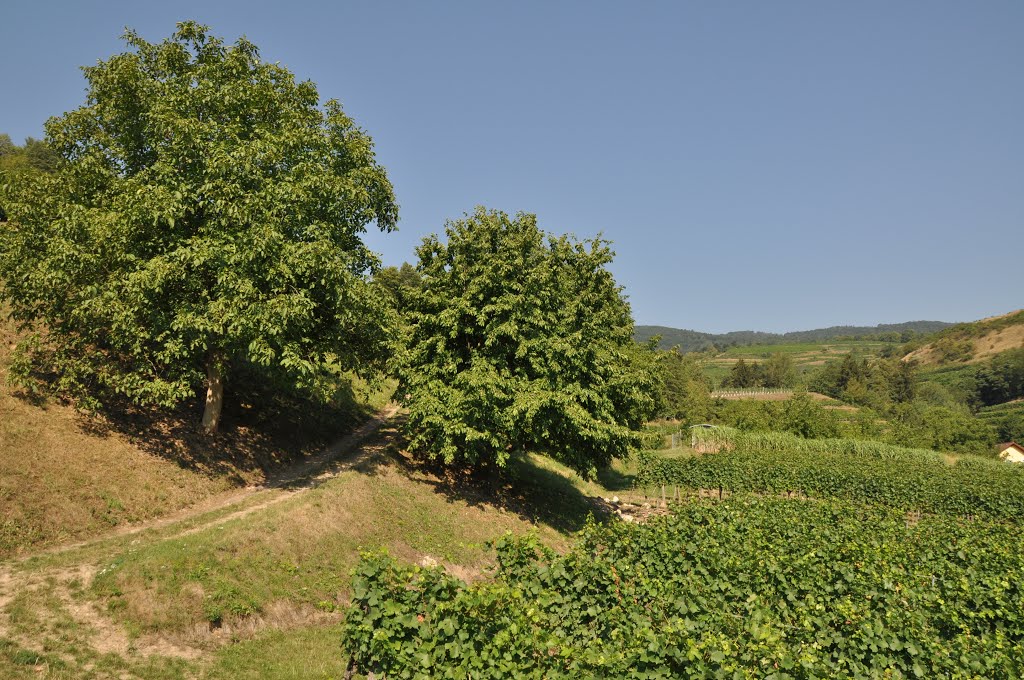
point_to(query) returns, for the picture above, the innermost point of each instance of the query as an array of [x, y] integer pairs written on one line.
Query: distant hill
[[695, 341], [972, 342]]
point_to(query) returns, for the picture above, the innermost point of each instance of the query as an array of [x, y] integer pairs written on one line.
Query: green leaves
[[207, 203], [520, 341], [752, 587], [856, 470]]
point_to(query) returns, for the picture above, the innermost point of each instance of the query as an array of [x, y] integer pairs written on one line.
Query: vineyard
[[746, 587], [855, 470]]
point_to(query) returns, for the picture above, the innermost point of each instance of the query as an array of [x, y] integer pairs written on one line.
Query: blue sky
[[770, 166]]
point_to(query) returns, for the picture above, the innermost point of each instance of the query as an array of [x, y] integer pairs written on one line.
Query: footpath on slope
[[16, 579], [302, 476]]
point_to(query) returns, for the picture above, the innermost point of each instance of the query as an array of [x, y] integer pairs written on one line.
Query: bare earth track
[[106, 636]]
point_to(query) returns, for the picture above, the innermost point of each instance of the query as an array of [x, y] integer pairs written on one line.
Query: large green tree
[[778, 371], [521, 341], [208, 211], [743, 375], [685, 390]]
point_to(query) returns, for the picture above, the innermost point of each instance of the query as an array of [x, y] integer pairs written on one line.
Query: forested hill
[[694, 341]]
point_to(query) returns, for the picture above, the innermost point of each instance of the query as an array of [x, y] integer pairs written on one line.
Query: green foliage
[[400, 283], [931, 413], [998, 380], [208, 213], [521, 342], [765, 588], [803, 417], [776, 371], [863, 471], [17, 162], [686, 391], [799, 415], [936, 394], [866, 381], [742, 375], [1006, 419], [951, 349], [940, 427]]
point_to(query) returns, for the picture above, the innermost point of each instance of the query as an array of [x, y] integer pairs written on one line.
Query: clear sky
[[758, 165]]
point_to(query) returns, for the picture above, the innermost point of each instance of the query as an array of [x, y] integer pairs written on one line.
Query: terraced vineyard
[[862, 471], [1011, 411], [805, 355], [746, 587]]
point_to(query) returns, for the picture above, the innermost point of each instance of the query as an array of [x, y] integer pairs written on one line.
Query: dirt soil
[[106, 636]]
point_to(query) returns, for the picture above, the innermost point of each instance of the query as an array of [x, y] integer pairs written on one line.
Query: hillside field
[[252, 584], [66, 475], [806, 356], [971, 342]]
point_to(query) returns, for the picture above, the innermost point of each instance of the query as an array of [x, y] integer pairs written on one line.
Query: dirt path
[[104, 635], [305, 475]]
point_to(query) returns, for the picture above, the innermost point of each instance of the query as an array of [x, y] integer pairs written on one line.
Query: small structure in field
[[705, 438], [1011, 452]]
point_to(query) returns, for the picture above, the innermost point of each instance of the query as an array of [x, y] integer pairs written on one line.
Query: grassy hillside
[[805, 355], [66, 476], [130, 548], [971, 342]]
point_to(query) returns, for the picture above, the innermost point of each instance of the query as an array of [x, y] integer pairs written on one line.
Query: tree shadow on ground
[[367, 449], [260, 432], [532, 492], [615, 480]]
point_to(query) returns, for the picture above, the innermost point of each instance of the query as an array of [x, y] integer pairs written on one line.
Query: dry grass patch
[[1002, 340], [59, 482]]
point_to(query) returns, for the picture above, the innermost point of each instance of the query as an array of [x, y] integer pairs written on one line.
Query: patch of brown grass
[[60, 482], [1004, 339], [1001, 333]]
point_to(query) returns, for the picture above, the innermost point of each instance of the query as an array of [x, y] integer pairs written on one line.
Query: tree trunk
[[214, 393]]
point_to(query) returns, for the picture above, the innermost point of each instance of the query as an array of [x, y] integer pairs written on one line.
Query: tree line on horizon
[[696, 341]]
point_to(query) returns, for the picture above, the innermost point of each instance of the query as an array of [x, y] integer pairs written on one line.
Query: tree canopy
[[208, 210], [31, 158], [685, 390], [521, 341]]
